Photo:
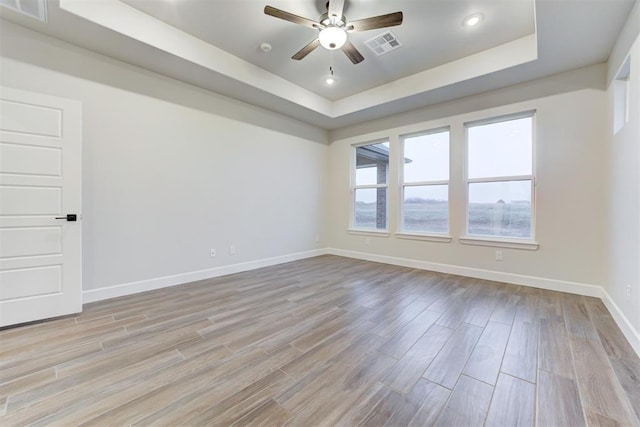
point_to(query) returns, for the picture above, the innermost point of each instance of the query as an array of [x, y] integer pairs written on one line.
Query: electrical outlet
[[317, 238], [367, 241], [213, 252], [232, 250], [628, 290], [498, 255]]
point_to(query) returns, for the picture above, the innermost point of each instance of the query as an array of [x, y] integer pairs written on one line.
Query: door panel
[[23, 117], [31, 241], [35, 200], [29, 282], [40, 177], [22, 159]]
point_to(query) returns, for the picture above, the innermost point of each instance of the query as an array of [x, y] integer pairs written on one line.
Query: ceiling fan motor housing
[[327, 21]]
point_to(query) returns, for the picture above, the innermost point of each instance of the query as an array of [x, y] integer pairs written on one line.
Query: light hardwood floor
[[325, 341]]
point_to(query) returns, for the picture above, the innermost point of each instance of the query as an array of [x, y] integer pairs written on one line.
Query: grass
[[487, 219]]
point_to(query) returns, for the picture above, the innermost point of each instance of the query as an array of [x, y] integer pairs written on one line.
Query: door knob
[[69, 217]]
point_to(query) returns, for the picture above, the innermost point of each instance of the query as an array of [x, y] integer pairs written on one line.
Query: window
[[621, 97], [425, 183], [369, 186], [499, 177]]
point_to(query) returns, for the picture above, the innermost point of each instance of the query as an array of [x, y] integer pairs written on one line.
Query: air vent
[[32, 8], [383, 43]]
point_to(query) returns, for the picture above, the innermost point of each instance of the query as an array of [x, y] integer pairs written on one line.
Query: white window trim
[[428, 237], [622, 78], [416, 235], [368, 232], [500, 241], [353, 229], [511, 243]]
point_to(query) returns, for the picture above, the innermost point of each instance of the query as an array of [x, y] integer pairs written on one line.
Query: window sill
[[442, 238], [363, 232], [528, 245]]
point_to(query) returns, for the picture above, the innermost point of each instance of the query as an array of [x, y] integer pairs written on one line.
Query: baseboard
[[623, 323], [93, 295], [518, 279], [496, 276]]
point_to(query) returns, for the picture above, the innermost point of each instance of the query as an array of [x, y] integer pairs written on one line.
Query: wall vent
[[32, 8], [383, 43]]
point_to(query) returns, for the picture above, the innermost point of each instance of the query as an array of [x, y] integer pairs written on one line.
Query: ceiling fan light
[[332, 38]]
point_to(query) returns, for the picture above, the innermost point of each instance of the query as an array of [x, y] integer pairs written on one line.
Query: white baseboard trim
[[93, 295], [623, 323], [496, 276], [518, 279]]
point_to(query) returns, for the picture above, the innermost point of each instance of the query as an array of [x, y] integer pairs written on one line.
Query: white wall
[[170, 171], [623, 181], [570, 189]]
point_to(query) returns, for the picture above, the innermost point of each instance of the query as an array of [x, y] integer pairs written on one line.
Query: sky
[[496, 149]]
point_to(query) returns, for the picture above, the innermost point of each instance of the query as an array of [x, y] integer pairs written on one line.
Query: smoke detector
[[265, 47]]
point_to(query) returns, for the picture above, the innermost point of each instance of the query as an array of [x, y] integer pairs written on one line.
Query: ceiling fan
[[333, 27]]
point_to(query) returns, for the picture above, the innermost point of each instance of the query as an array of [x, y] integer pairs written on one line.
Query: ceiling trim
[[501, 57], [129, 21], [135, 24]]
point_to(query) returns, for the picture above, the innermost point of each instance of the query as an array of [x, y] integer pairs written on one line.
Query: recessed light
[[472, 20], [329, 80]]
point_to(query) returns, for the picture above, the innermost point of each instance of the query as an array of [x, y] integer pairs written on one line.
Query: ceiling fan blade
[[336, 7], [352, 53], [278, 13], [306, 50], [382, 21]]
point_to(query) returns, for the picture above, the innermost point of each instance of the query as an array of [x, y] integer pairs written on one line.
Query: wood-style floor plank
[[402, 341], [554, 351], [435, 397], [408, 370], [520, 358], [512, 403], [468, 403], [558, 401], [325, 341], [447, 366], [599, 387], [624, 361], [486, 359]]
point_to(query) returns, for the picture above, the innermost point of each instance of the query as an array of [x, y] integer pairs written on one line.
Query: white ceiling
[[432, 34], [214, 44]]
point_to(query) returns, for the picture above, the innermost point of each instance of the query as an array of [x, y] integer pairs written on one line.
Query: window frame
[[621, 96], [529, 243], [417, 235], [353, 187]]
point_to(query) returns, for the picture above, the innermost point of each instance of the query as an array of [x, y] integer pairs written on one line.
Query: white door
[[40, 160]]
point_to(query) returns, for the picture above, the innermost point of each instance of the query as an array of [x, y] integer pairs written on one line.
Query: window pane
[[370, 208], [500, 149], [426, 157], [372, 164], [426, 209], [500, 209]]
